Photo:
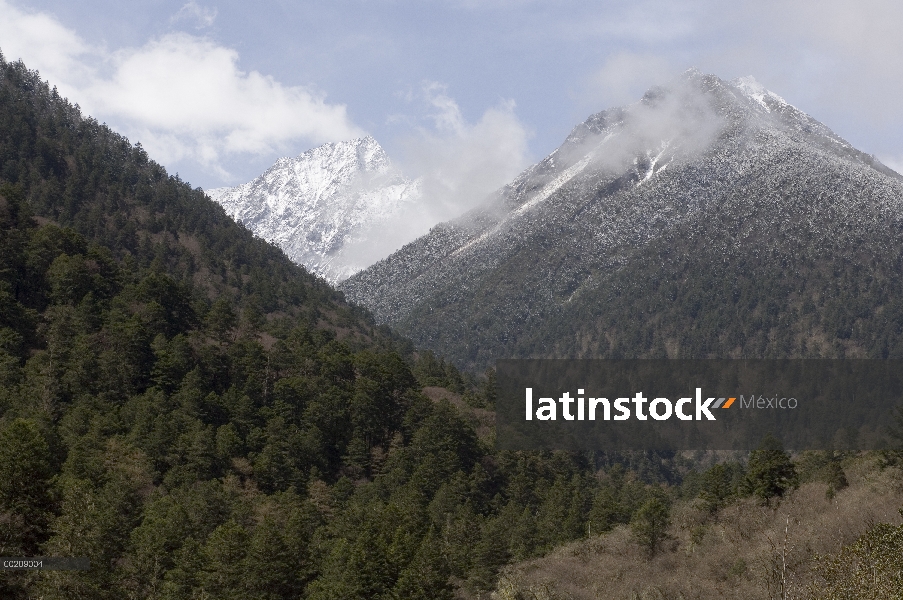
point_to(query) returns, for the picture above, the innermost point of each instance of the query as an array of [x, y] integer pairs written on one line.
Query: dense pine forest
[[201, 418], [197, 415]]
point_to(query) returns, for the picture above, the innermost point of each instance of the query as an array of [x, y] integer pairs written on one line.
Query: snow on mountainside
[[544, 266], [319, 205]]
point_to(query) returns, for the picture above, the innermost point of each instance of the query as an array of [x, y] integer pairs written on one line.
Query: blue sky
[[218, 90]]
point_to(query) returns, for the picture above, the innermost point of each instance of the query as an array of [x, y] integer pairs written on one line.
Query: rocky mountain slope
[[711, 218], [321, 203]]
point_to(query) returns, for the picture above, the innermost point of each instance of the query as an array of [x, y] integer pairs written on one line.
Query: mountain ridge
[[688, 154], [322, 202]]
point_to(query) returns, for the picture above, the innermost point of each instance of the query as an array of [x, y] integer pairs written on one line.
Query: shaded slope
[[623, 241]]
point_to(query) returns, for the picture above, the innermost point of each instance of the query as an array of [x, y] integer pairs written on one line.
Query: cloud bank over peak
[[460, 162]]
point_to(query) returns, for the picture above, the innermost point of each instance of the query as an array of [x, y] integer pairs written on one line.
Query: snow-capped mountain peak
[[698, 167], [317, 204]]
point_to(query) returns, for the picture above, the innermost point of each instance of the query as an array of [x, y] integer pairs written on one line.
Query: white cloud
[[193, 12], [190, 91], [459, 164], [447, 114], [681, 120], [182, 96], [44, 44]]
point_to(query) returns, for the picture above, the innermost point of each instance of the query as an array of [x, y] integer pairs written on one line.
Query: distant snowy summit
[[323, 206]]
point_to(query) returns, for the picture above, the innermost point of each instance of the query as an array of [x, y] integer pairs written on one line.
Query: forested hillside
[[202, 418], [840, 539]]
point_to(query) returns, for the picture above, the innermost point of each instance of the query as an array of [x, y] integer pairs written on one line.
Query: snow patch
[[653, 161], [756, 91]]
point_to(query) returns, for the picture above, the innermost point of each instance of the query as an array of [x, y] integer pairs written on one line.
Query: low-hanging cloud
[[182, 96], [676, 121], [679, 117], [457, 163], [461, 163], [840, 61]]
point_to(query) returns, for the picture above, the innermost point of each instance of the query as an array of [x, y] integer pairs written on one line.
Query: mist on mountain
[[340, 207], [711, 218]]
